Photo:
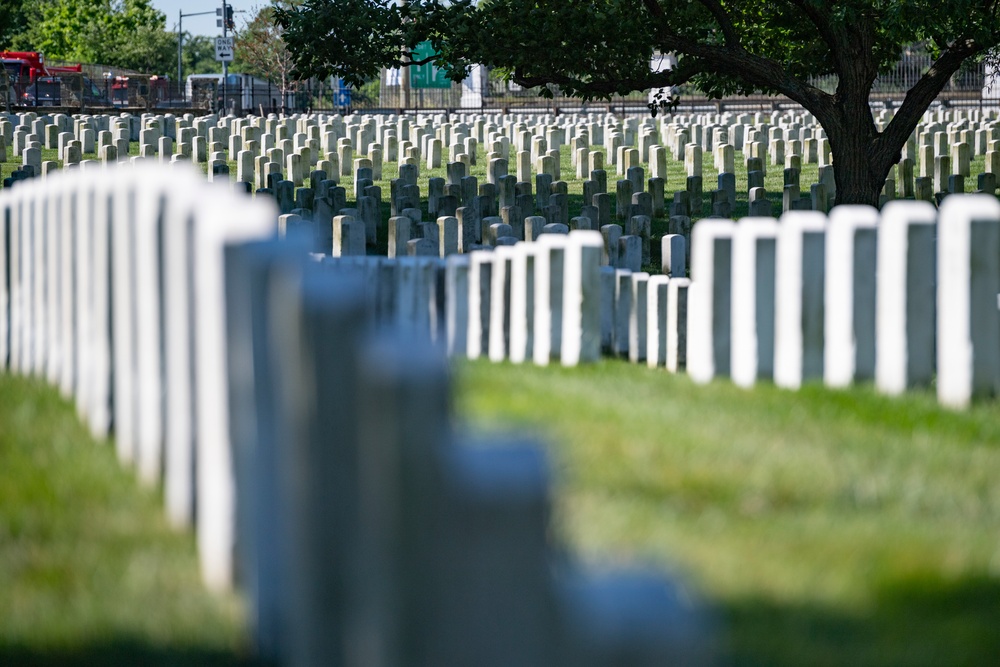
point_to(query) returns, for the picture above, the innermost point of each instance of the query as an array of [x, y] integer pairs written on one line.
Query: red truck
[[34, 83]]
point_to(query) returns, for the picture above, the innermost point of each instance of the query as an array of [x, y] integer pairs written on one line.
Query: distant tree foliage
[[199, 55], [261, 50], [13, 21], [122, 33], [599, 48]]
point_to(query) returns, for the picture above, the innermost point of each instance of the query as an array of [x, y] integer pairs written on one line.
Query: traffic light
[[227, 15]]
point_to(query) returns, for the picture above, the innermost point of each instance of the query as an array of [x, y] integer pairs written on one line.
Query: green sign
[[427, 75]]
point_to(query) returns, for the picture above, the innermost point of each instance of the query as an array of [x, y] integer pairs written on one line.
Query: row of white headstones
[[295, 145], [314, 458], [902, 297], [552, 300], [127, 318]]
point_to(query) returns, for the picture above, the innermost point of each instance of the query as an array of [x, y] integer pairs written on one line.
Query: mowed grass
[[822, 527], [90, 573]]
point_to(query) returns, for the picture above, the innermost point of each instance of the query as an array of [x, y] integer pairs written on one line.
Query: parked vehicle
[[54, 91], [25, 68], [33, 82], [43, 92]]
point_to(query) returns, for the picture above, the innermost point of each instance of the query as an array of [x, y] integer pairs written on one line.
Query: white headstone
[[550, 260], [656, 320], [480, 288], [677, 323], [798, 321], [849, 335], [709, 316], [904, 354], [968, 284], [754, 247], [500, 296], [581, 321]]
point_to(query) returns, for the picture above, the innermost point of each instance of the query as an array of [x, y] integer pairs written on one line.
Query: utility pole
[[180, 42], [226, 14], [404, 73]]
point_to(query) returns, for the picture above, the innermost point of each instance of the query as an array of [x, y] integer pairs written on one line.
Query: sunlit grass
[[827, 528]]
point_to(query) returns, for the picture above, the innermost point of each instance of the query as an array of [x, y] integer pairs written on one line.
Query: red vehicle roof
[[37, 60]]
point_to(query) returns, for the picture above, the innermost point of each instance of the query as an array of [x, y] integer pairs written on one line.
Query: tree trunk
[[859, 166], [859, 178], [863, 156]]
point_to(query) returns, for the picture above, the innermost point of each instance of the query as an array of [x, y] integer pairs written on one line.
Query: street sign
[[343, 97], [427, 75], [224, 49]]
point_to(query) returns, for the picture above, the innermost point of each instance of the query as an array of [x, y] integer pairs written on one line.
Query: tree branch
[[724, 20], [654, 8], [663, 79], [713, 6], [735, 61], [756, 71], [411, 62], [823, 25], [920, 96], [751, 69]]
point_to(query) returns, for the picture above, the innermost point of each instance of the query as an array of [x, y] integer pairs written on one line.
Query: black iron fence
[[100, 88], [76, 91], [487, 92]]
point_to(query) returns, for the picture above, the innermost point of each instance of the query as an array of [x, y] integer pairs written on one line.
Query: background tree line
[[130, 34]]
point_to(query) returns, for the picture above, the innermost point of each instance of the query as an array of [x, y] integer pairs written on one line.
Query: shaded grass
[[827, 528], [90, 573]]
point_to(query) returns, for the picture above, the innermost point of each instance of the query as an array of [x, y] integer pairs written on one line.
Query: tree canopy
[[598, 48], [123, 33], [13, 21]]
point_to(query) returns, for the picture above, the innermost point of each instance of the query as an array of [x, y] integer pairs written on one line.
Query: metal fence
[[970, 78], [492, 93], [75, 91], [100, 87]]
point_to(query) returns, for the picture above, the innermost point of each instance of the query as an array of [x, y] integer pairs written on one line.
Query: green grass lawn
[[90, 573], [823, 527]]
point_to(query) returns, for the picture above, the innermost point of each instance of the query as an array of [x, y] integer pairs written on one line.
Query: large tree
[[598, 48]]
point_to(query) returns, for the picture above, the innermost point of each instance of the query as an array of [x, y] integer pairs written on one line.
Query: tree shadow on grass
[[923, 619], [123, 652], [919, 620]]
